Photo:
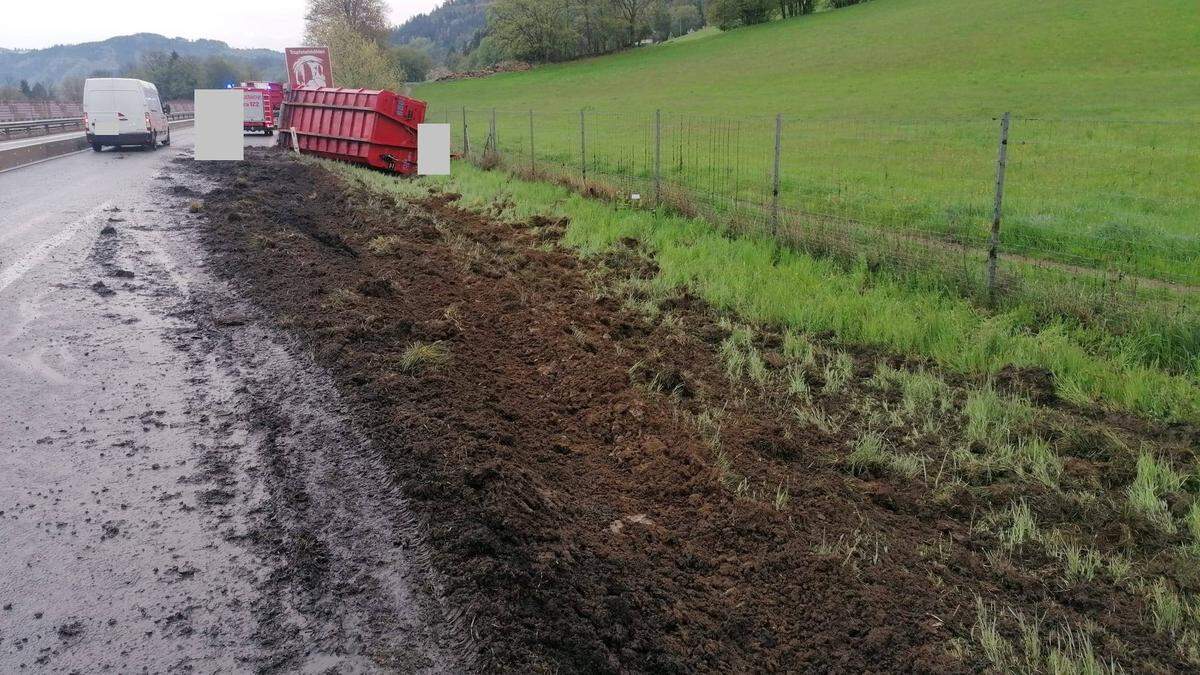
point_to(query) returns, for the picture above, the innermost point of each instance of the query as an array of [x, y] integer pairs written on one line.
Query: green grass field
[[889, 114], [764, 282]]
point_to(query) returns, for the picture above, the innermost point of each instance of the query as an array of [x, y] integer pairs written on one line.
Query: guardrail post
[[532, 162], [994, 240], [775, 174], [582, 148], [657, 157], [466, 136]]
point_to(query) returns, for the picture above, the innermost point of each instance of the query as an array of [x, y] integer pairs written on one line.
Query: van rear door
[[101, 109], [116, 111]]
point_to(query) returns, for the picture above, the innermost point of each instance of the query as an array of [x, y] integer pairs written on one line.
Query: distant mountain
[[450, 27], [116, 54]]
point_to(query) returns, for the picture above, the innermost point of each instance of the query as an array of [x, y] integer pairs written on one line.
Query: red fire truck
[[260, 108]]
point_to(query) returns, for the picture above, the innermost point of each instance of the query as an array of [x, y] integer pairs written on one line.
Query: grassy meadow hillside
[[890, 118], [1103, 59]]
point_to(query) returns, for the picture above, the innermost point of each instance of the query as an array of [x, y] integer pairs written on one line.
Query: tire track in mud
[[344, 586], [128, 579], [181, 488]]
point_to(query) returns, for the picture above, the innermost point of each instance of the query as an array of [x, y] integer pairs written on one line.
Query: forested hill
[[450, 27], [120, 54]]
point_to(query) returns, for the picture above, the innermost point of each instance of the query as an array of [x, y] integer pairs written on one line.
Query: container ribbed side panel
[[358, 125]]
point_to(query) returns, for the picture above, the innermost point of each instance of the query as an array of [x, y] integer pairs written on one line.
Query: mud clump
[[377, 288], [71, 630], [214, 497], [101, 289], [230, 318], [1036, 384]]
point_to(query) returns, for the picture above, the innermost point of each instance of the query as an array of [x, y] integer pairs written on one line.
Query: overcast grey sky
[[242, 23]]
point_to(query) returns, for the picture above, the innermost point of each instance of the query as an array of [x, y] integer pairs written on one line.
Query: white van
[[122, 111]]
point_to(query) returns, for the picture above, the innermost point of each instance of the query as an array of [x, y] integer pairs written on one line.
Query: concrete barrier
[[28, 154], [36, 152]]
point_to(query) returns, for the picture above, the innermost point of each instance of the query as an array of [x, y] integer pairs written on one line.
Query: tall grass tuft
[[1155, 479]]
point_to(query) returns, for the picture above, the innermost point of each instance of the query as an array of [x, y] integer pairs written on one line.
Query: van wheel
[[97, 147], [167, 141]]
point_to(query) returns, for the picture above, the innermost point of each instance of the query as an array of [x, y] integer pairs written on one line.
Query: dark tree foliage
[[790, 8], [728, 14], [454, 27], [460, 34], [413, 61], [177, 77]]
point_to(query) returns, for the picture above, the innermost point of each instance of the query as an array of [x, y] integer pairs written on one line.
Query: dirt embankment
[[444, 75], [598, 495]]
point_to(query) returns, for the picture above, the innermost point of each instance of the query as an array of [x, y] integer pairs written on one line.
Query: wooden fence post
[[532, 162], [582, 148], [775, 174], [466, 136], [492, 135], [994, 240], [657, 157]]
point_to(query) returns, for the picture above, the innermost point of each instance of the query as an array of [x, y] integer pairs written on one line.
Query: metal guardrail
[[26, 126], [8, 129]]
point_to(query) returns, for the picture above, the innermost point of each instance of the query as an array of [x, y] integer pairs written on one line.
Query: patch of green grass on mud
[[763, 281]]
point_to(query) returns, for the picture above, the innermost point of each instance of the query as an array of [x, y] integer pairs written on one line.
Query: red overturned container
[[363, 126]]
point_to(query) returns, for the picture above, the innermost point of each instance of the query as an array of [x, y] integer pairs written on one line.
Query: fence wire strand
[[1099, 218]]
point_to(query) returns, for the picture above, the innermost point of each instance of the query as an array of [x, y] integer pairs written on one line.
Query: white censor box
[[433, 149], [219, 124]]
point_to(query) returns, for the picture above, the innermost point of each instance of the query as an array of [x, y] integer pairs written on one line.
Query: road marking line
[[43, 248]]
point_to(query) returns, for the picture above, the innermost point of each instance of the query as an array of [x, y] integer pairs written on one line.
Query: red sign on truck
[[309, 67], [254, 112]]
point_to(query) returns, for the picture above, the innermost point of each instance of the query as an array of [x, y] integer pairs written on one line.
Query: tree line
[[176, 76], [23, 91], [558, 30]]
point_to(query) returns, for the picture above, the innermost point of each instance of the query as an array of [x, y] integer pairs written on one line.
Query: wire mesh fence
[[1098, 219]]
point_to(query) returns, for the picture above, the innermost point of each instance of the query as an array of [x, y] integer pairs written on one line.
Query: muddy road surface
[[180, 489]]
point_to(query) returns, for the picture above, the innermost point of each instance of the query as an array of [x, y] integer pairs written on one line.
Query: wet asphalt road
[[153, 515]]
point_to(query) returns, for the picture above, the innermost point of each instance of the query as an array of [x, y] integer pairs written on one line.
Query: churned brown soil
[[579, 515]]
